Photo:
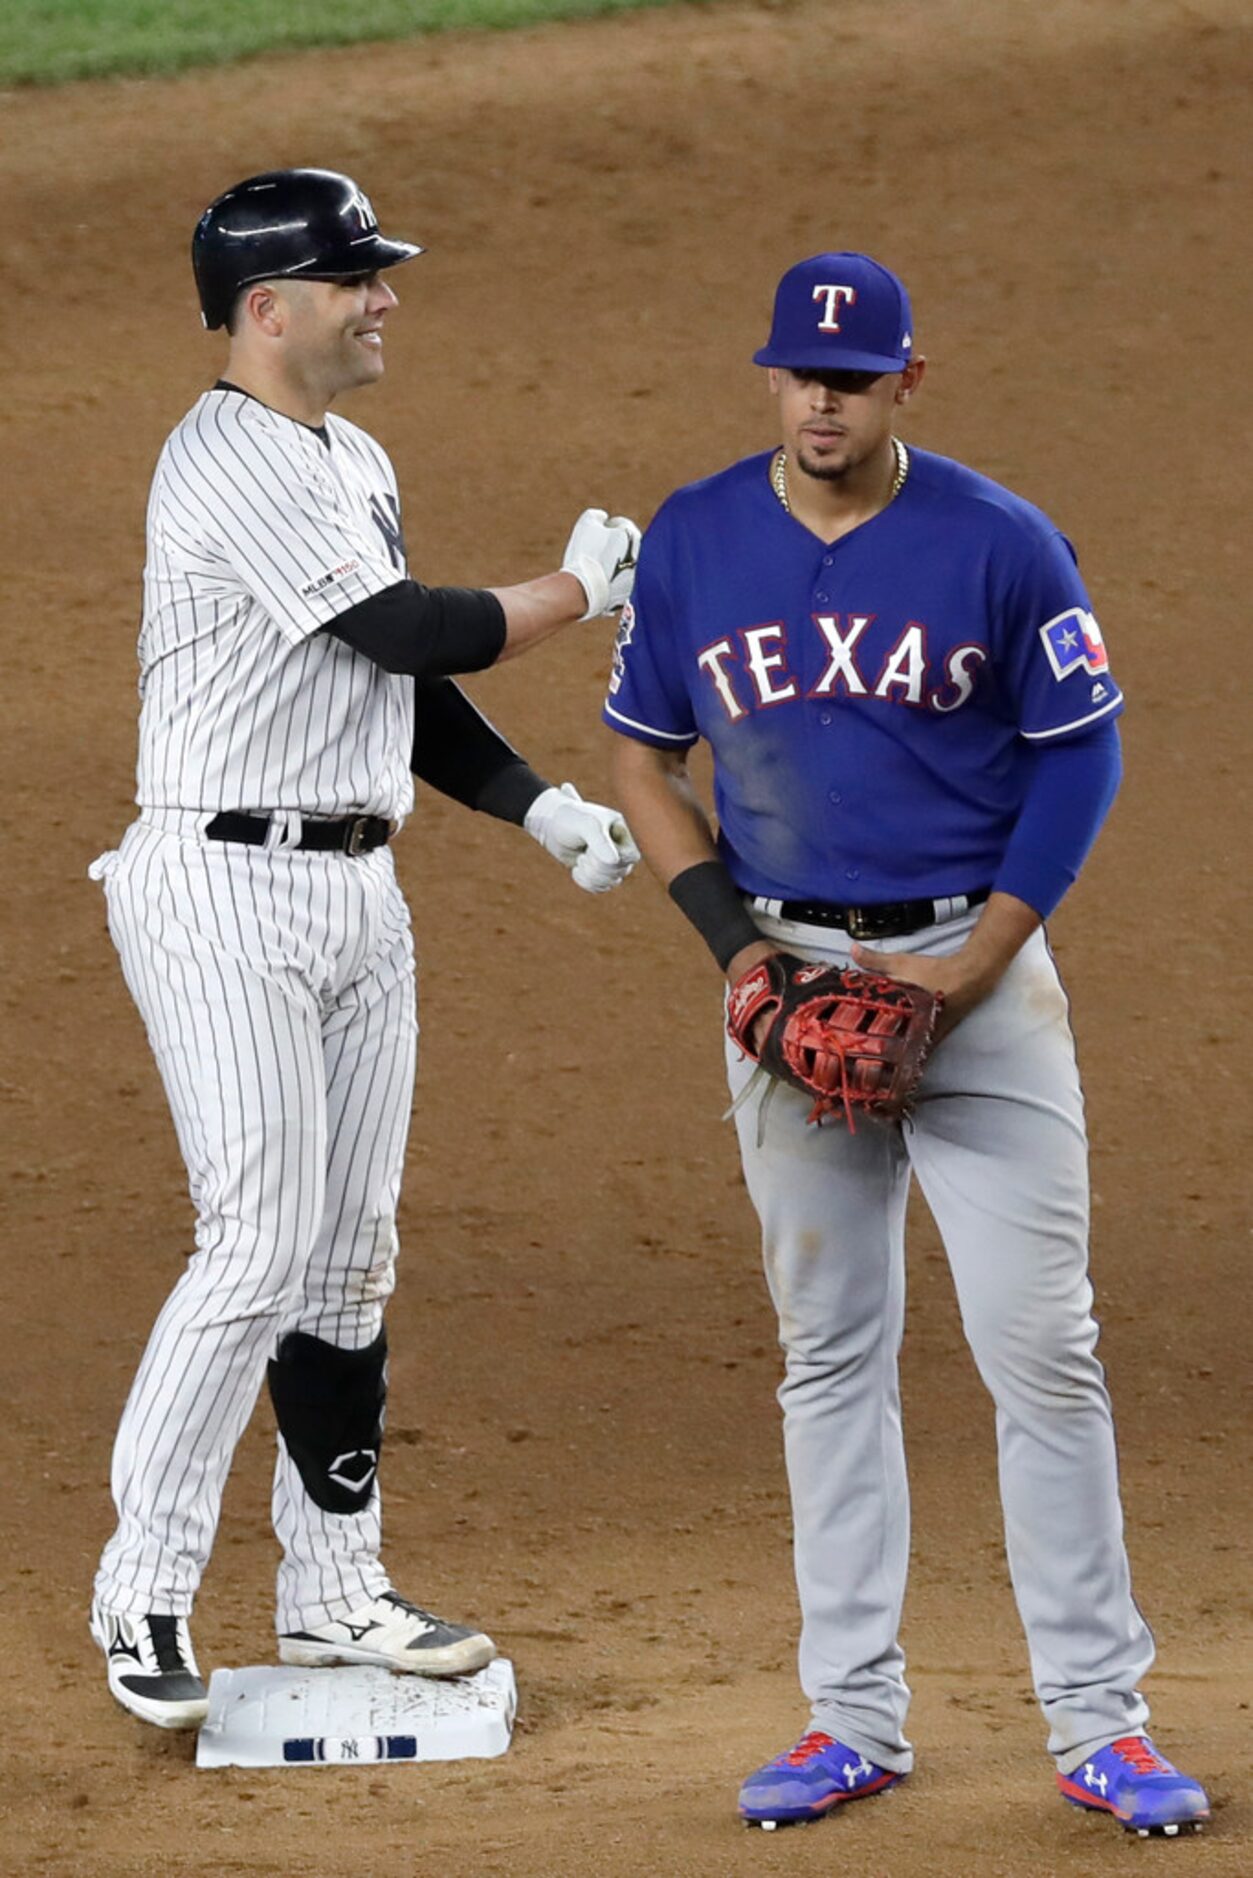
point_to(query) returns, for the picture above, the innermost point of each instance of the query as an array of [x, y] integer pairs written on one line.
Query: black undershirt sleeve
[[457, 751], [426, 631]]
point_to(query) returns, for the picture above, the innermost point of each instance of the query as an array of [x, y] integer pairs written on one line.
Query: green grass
[[44, 42]]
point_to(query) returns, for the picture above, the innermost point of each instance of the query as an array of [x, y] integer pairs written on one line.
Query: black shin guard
[[329, 1405]]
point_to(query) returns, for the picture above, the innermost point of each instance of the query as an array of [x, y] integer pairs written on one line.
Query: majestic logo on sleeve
[[831, 298], [622, 639], [1073, 642]]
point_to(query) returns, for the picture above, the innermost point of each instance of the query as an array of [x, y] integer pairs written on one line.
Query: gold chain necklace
[[778, 475]]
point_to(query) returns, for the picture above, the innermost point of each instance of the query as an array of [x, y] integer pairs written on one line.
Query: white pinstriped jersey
[[260, 531]]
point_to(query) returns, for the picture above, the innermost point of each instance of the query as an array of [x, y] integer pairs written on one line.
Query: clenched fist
[[593, 842], [601, 554]]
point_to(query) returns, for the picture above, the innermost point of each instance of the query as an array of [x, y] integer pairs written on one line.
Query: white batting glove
[[593, 842], [601, 554]]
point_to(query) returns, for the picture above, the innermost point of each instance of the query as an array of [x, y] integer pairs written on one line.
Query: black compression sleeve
[[457, 751], [428, 631]]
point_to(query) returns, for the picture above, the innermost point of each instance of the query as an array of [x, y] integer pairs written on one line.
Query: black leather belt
[[352, 834], [890, 920]]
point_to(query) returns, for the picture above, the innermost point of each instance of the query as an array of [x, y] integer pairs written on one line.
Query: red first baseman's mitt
[[855, 1041]]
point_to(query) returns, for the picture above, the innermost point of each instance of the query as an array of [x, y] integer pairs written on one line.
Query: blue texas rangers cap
[[842, 312]]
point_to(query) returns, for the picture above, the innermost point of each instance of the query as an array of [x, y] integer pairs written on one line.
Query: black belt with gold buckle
[[890, 920], [351, 834]]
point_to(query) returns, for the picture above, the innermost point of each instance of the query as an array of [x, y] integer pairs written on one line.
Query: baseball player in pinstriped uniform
[[293, 676], [911, 715]]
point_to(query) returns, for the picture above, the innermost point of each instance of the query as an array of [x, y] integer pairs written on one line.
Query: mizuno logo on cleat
[[121, 1645]]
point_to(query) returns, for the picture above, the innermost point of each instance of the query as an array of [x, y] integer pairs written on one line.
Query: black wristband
[[710, 898]]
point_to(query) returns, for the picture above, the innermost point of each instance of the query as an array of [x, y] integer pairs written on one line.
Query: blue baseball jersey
[[871, 705]]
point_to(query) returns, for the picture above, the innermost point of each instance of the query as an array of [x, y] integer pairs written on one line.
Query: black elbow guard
[[426, 631], [329, 1406]]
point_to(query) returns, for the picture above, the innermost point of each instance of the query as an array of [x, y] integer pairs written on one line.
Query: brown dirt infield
[[584, 1447]]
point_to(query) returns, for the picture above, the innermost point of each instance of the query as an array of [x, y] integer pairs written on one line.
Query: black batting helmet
[[306, 224]]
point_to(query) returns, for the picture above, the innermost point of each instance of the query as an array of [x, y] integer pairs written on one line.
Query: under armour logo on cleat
[[1092, 1779], [862, 1768]]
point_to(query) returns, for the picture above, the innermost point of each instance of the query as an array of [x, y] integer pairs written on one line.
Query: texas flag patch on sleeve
[[1073, 642]]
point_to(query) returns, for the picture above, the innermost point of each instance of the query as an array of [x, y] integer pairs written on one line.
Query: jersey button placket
[[826, 718]]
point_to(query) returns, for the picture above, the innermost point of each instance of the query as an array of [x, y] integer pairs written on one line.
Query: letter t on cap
[[830, 321]]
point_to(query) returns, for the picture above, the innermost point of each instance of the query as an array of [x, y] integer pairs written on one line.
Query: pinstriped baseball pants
[[278, 993]]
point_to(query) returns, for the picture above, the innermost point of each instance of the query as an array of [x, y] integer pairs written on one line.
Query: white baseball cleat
[[394, 1633], [152, 1670]]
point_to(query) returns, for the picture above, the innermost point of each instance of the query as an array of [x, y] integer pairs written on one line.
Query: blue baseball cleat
[[808, 1780], [1131, 1780]]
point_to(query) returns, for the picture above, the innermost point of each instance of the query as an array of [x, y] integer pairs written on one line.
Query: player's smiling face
[[297, 344], [334, 333], [833, 421]]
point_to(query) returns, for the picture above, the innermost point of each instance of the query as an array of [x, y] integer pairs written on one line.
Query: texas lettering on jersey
[[757, 673]]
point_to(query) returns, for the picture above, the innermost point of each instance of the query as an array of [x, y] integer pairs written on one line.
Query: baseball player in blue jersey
[[911, 714]]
